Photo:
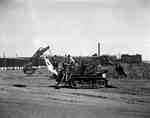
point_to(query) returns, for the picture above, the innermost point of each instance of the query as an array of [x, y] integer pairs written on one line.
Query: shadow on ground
[[20, 85]]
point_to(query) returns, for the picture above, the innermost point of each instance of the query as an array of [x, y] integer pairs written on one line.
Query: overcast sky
[[75, 26]]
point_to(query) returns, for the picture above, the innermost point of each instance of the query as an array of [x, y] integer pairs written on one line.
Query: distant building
[[94, 55], [111, 57], [108, 59], [131, 58]]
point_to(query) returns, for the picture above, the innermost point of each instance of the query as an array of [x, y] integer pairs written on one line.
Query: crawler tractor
[[82, 76], [87, 81]]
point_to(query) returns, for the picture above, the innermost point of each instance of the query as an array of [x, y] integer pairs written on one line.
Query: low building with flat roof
[[125, 58]]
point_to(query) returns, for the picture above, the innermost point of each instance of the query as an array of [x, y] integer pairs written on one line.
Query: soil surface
[[34, 96]]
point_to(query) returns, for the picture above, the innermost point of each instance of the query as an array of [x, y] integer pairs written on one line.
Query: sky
[[75, 27]]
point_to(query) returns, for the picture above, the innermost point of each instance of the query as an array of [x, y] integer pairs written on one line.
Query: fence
[[17, 64]]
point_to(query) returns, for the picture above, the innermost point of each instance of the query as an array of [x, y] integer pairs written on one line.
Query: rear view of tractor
[[82, 76]]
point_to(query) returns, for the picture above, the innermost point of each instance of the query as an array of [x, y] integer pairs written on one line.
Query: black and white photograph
[[74, 58]]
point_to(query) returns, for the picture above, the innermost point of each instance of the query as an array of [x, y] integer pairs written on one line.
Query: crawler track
[[87, 81]]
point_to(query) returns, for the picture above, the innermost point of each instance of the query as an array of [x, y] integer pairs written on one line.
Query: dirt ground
[[34, 96]]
